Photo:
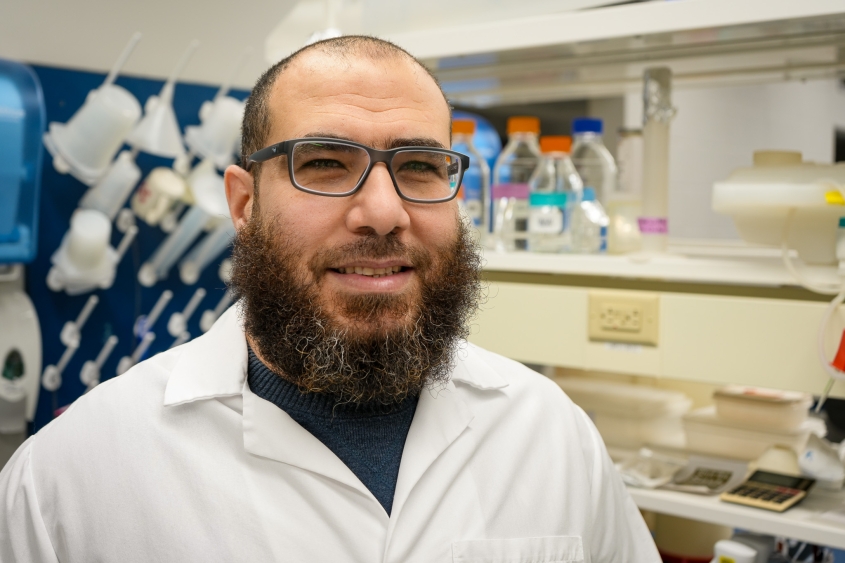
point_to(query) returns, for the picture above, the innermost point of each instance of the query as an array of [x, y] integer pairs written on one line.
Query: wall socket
[[624, 316]]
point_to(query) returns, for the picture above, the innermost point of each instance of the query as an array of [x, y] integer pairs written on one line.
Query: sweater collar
[[215, 365]]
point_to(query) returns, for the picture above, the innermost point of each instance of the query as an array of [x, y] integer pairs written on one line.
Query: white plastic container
[[706, 433], [630, 416], [770, 409], [760, 199]]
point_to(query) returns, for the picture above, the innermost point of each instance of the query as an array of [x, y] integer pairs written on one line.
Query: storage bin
[[764, 408], [706, 433], [630, 416]]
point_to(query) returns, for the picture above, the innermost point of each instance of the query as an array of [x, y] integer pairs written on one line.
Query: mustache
[[371, 247]]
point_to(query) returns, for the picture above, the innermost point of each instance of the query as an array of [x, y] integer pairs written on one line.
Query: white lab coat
[[178, 461]]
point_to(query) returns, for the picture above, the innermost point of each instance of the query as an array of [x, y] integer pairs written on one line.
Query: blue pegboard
[[64, 92]]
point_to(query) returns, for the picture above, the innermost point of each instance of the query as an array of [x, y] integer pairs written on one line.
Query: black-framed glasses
[[338, 168]]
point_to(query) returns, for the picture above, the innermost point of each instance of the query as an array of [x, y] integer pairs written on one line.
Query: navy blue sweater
[[369, 439]]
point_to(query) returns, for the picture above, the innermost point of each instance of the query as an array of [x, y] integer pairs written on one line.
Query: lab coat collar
[[212, 365], [215, 365], [471, 369]]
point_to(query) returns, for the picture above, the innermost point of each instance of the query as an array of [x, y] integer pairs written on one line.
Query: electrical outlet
[[624, 316]]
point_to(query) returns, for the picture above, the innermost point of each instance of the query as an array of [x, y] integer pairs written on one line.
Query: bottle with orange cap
[[513, 170], [476, 183], [555, 187]]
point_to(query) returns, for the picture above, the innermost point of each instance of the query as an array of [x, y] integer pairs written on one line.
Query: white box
[[706, 433], [630, 416], [769, 409]]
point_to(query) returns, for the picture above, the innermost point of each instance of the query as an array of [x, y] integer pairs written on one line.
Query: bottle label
[[516, 191], [545, 220], [653, 225]]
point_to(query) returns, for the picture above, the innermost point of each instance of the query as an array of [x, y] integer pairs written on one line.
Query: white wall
[[717, 129], [90, 34]]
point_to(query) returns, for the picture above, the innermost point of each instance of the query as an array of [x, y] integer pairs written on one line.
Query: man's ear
[[240, 194]]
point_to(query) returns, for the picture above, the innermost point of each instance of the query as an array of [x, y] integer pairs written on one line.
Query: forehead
[[367, 100]]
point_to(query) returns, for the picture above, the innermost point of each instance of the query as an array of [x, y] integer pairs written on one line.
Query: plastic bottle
[[624, 206], [593, 161], [513, 170], [555, 188], [589, 225], [476, 182]]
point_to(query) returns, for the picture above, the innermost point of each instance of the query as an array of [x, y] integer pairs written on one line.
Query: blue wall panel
[[64, 92]]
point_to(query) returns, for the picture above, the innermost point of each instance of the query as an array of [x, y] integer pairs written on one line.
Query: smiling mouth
[[372, 272]]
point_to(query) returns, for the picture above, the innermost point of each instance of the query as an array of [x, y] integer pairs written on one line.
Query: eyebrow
[[390, 143]]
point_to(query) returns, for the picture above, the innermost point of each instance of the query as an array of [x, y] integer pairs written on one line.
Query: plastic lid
[[760, 394], [463, 126], [555, 143], [587, 125], [539, 199], [777, 158], [589, 194], [523, 124]]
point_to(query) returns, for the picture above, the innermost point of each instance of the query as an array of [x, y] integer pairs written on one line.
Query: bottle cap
[[555, 143], [465, 126], [538, 199], [523, 124], [589, 194], [587, 125]]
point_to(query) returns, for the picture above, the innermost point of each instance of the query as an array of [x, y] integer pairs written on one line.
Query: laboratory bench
[[818, 519]]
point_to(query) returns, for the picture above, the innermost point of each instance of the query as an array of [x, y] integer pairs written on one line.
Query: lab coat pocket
[[550, 549]]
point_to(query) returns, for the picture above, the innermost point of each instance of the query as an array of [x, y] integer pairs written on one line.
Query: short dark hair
[[256, 124]]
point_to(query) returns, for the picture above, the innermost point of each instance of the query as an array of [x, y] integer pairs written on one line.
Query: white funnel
[[87, 143], [158, 132]]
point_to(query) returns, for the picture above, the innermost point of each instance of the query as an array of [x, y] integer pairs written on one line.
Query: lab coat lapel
[[271, 433], [441, 416]]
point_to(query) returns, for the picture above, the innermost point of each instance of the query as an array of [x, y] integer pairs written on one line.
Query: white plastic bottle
[[593, 161], [476, 182], [555, 188], [589, 225], [513, 170], [624, 206]]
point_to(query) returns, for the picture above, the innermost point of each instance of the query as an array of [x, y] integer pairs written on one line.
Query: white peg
[[181, 339], [72, 330], [127, 362], [127, 239], [90, 374], [178, 322], [115, 70], [52, 378], [145, 323], [209, 317]]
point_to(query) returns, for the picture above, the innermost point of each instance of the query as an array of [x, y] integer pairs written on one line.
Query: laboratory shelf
[[810, 521], [763, 270], [603, 51]]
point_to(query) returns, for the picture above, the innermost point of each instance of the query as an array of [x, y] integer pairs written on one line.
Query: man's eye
[[322, 164], [417, 166]]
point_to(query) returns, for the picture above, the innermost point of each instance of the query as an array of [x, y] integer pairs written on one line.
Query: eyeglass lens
[[336, 168]]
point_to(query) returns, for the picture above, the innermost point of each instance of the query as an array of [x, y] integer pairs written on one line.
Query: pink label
[[654, 225], [518, 191]]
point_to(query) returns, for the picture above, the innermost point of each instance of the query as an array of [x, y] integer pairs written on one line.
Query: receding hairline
[[257, 117]]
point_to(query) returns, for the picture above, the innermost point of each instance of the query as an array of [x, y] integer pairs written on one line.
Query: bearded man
[[336, 412]]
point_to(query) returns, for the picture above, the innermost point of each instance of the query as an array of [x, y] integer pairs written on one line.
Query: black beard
[[383, 348]]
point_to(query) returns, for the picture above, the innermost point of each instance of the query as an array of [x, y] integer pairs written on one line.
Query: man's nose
[[377, 207]]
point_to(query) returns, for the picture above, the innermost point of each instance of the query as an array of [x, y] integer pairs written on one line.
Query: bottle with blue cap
[[593, 161], [589, 225], [555, 187]]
